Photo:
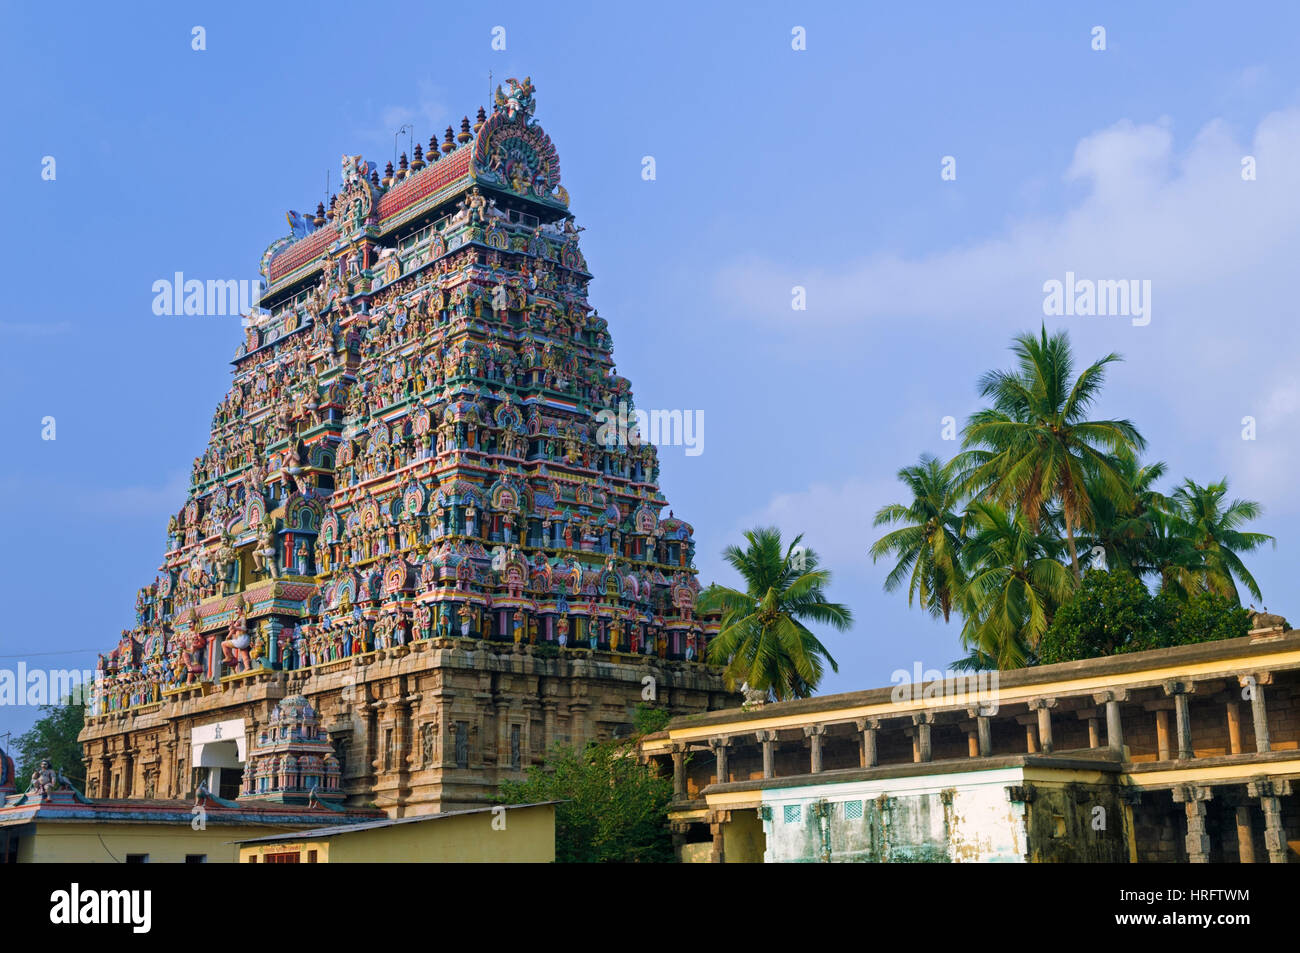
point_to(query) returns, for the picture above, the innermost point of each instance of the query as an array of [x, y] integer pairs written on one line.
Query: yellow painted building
[[520, 833], [65, 827]]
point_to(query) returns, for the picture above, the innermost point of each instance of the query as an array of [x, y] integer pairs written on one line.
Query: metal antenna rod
[[405, 128]]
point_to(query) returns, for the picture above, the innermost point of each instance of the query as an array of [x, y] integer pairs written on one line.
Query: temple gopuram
[[405, 519]]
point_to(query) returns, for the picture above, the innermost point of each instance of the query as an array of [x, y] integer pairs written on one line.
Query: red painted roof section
[[302, 251], [424, 183]]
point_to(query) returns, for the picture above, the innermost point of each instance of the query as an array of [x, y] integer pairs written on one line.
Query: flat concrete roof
[[322, 833], [1257, 644]]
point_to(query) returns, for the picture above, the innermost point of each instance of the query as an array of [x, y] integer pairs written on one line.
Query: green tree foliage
[[764, 641], [1113, 613], [1212, 525], [54, 738], [647, 719], [1039, 485], [928, 537], [1208, 617], [1036, 445], [613, 808], [1015, 581]]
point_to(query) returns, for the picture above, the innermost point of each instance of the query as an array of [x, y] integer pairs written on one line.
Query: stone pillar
[[405, 758], [1180, 690], [922, 720], [1044, 708], [106, 776], [1245, 835], [717, 823], [1162, 734], [1030, 724], [814, 735], [527, 743], [982, 743], [548, 724], [1114, 722], [1193, 798], [579, 731], [1234, 726], [768, 741], [1270, 795], [1183, 725], [679, 831], [1258, 710], [720, 746], [501, 715], [167, 769], [1094, 732], [679, 772], [868, 727], [128, 772]]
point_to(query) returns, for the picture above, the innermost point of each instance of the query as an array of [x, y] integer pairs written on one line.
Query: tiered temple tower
[[408, 512]]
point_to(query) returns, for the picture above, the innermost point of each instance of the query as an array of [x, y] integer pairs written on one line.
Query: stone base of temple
[[422, 728]]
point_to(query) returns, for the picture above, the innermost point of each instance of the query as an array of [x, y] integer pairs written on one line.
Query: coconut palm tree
[[763, 640], [1199, 515], [1126, 528], [928, 544], [1172, 558], [1014, 581], [1035, 445]]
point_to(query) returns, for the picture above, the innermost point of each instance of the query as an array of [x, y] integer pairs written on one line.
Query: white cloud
[[376, 132], [1219, 251], [1185, 220], [1265, 468], [835, 519]]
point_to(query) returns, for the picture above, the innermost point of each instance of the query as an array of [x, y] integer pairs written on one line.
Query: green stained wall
[[979, 816]]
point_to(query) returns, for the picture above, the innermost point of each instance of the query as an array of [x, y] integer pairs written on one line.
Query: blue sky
[[775, 168]]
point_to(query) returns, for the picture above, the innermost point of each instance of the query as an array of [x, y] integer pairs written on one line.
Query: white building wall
[[938, 818]]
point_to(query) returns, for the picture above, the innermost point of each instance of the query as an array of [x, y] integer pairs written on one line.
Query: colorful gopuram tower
[[404, 514]]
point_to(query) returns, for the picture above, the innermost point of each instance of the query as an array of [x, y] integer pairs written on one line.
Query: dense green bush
[[1113, 613], [612, 807], [52, 737], [1208, 617]]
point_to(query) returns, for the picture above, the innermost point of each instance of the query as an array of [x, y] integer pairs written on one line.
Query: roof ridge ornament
[[514, 153], [357, 200], [518, 102]]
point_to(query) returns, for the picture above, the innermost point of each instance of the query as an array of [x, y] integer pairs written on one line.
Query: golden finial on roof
[[464, 135], [388, 178], [479, 122], [417, 163], [401, 166], [448, 141], [319, 220]]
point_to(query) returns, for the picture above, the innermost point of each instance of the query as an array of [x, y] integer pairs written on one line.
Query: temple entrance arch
[[217, 756]]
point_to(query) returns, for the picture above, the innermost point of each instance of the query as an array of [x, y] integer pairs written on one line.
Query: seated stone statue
[[44, 781]]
